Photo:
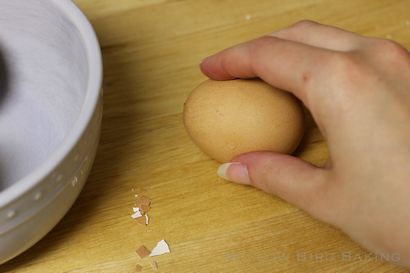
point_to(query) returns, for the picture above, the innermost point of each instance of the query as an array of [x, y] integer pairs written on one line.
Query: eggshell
[[228, 118]]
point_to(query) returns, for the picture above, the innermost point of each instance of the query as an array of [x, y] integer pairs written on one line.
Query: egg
[[229, 118]]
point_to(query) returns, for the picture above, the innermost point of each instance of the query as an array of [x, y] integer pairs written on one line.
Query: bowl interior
[[43, 81]]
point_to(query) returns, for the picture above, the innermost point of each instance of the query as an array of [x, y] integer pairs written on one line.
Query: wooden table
[[151, 50]]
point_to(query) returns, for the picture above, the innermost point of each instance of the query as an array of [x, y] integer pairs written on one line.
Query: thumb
[[288, 177]]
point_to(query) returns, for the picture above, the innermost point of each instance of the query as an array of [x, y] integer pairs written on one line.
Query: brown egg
[[228, 118]]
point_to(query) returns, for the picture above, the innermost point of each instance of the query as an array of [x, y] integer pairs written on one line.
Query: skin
[[358, 91]]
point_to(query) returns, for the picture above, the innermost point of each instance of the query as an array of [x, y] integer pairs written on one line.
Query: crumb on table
[[138, 268]]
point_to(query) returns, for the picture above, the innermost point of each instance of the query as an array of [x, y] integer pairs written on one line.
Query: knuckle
[[263, 42], [392, 46], [393, 52], [303, 24], [260, 45], [226, 63]]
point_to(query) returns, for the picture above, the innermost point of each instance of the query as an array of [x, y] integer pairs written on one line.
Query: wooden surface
[[151, 50]]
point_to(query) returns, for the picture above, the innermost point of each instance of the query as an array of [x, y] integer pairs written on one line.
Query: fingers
[[322, 36], [295, 59], [285, 64], [288, 177]]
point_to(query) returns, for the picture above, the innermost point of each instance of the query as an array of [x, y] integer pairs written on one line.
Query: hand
[[358, 92]]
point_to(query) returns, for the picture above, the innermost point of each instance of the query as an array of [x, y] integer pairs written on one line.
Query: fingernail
[[205, 60], [234, 171]]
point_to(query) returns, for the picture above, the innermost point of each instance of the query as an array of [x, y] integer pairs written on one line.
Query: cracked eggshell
[[229, 118]]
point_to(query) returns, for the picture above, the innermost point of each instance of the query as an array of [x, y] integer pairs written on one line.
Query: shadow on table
[[111, 153]]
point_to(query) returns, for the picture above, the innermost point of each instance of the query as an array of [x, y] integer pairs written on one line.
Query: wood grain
[[151, 50]]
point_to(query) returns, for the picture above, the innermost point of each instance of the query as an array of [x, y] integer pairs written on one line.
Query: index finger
[[288, 65]]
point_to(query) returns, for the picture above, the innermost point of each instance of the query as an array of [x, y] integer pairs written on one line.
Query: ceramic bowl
[[50, 115]]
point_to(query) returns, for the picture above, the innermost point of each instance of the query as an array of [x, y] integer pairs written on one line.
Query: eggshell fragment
[[143, 252], [228, 118], [160, 249]]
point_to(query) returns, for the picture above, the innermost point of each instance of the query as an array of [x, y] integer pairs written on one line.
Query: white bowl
[[50, 115]]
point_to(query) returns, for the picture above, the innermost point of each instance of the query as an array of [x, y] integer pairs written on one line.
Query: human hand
[[358, 91]]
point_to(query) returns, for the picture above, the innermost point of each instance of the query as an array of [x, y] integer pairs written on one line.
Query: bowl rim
[[94, 61]]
